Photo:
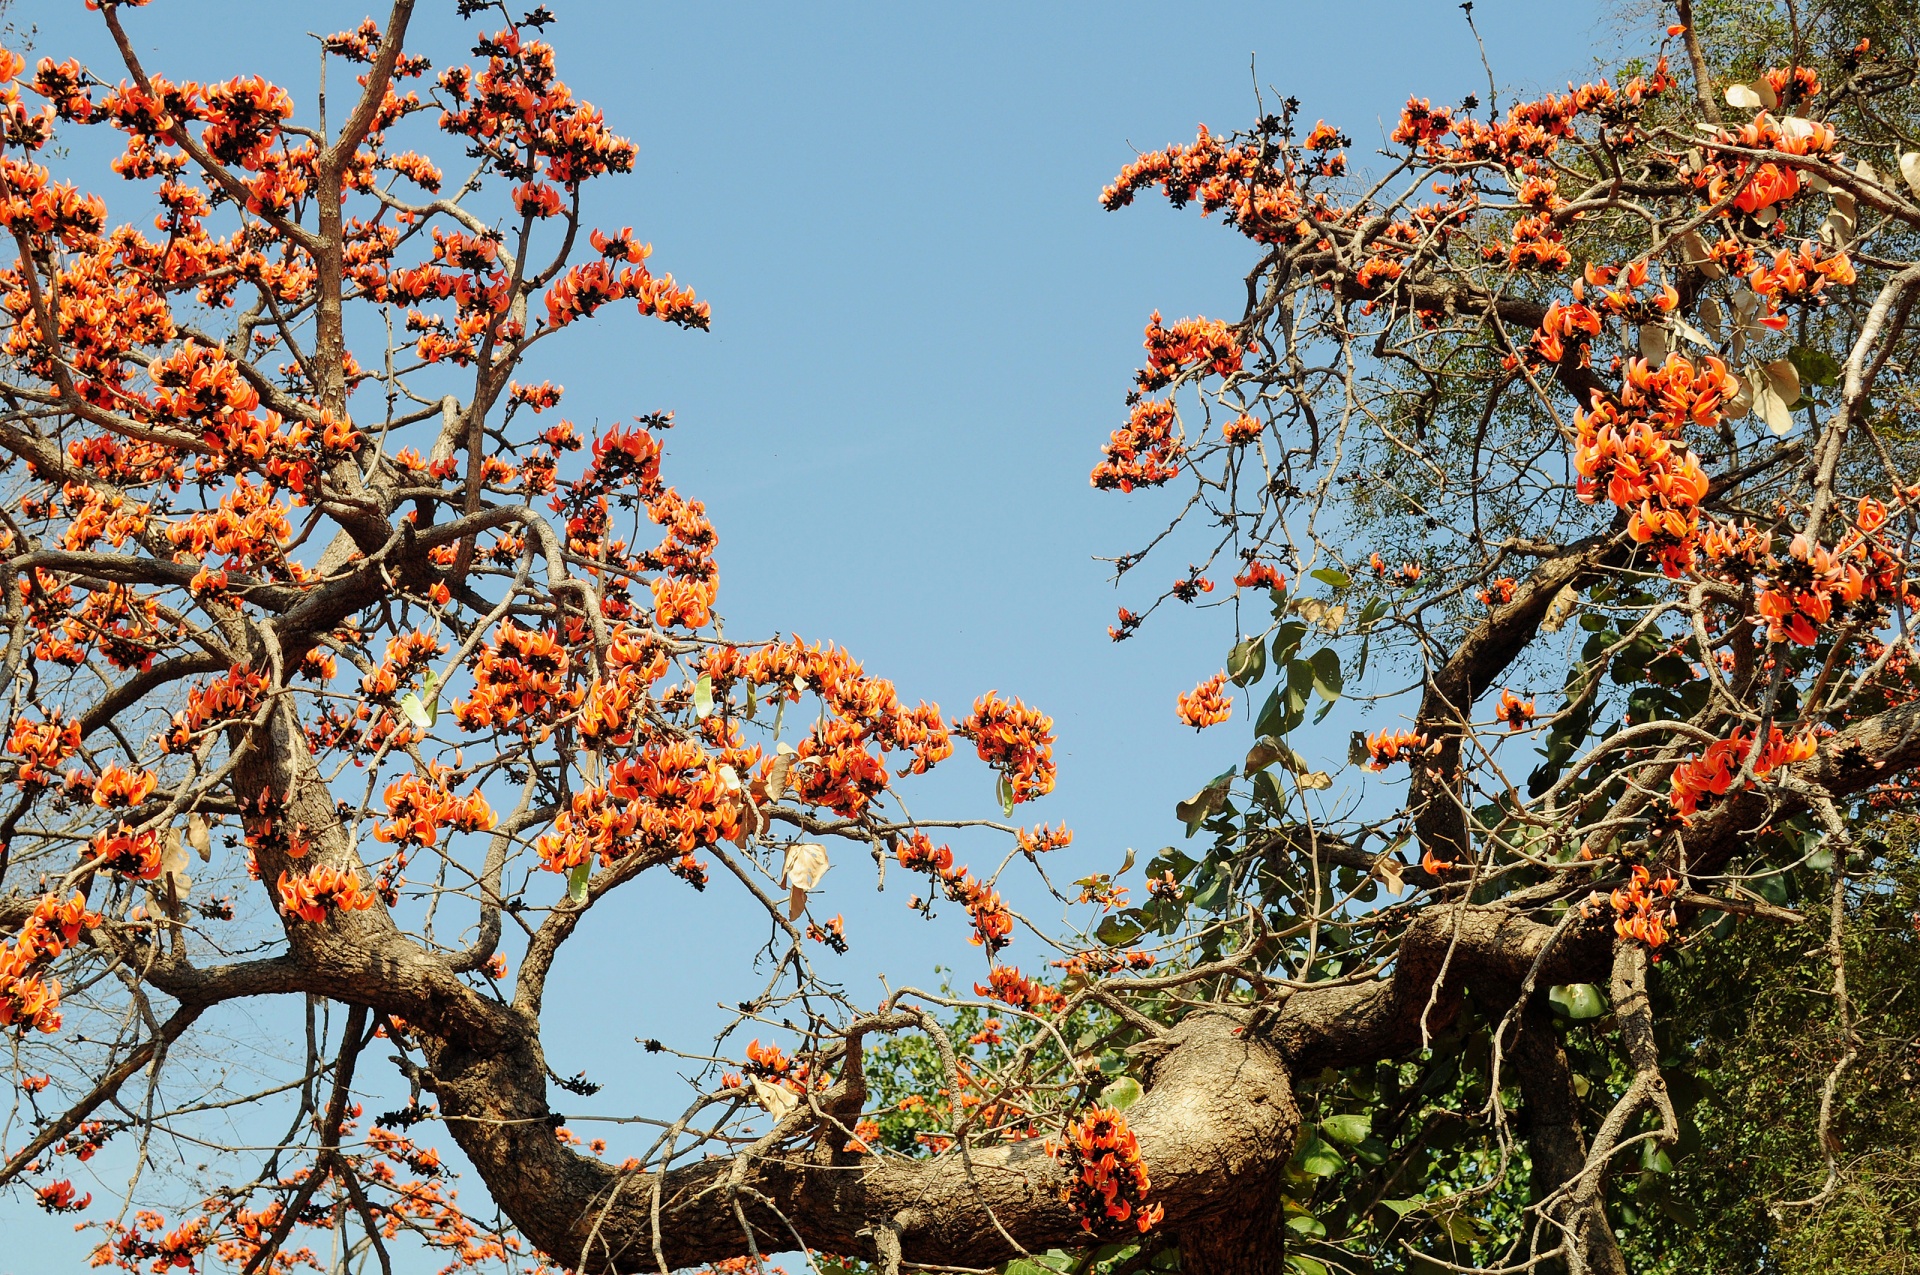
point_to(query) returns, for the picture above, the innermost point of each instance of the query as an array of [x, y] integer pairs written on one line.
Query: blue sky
[[924, 328]]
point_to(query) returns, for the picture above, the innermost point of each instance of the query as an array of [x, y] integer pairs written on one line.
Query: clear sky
[[923, 329]]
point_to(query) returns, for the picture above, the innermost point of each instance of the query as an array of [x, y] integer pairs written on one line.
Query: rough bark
[[1216, 1125]]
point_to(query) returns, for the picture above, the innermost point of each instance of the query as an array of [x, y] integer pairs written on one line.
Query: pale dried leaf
[[796, 902], [174, 857], [1784, 377], [806, 863], [1742, 401], [1712, 318], [1315, 780], [1772, 409], [1699, 256], [1795, 128], [777, 776], [1910, 170], [1653, 343], [778, 1100], [1743, 97], [198, 836], [1387, 870]]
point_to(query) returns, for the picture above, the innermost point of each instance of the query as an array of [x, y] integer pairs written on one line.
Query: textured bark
[[1558, 1147], [1216, 1125]]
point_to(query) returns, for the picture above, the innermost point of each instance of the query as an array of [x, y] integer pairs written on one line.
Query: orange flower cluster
[[1817, 583], [1241, 430], [421, 805], [1189, 343], [29, 1002], [1531, 132], [1387, 747], [521, 678], [1632, 450], [1698, 783], [233, 697], [1043, 838], [670, 799], [1264, 203], [118, 787], [1407, 573], [1801, 276], [1006, 984], [1143, 453], [1517, 713], [586, 288], [1260, 575], [310, 896], [1205, 705], [135, 855], [1108, 1180], [42, 747], [868, 705], [1498, 593], [1641, 915], [685, 593], [58, 1197], [992, 922], [1015, 740]]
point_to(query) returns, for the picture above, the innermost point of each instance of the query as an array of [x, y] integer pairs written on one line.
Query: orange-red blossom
[[1696, 784], [1205, 705], [1109, 1180]]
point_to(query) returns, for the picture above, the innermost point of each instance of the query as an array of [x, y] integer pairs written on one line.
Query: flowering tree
[[1630, 378]]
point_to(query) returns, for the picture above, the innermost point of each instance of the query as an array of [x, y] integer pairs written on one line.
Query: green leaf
[[1247, 662], [577, 882], [1403, 1207], [1308, 1226], [1286, 640], [1654, 1158], [1327, 680], [703, 697], [1349, 1130], [1315, 1157], [1115, 930], [1302, 1265], [1005, 792], [1372, 1150], [1816, 367], [1333, 578], [1122, 1093], [1027, 1266], [1273, 714], [1577, 1000]]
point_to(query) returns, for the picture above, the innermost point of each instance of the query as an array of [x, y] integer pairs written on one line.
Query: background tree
[[1604, 387]]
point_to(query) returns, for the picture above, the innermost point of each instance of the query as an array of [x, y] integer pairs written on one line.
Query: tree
[[1633, 377]]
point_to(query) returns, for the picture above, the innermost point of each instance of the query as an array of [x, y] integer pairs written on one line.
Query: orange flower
[[1517, 713], [1386, 747], [1206, 705], [1015, 740], [309, 897], [1107, 1179]]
